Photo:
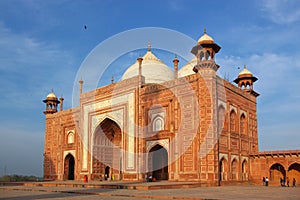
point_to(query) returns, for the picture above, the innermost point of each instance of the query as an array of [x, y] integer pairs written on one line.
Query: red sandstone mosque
[[183, 124]]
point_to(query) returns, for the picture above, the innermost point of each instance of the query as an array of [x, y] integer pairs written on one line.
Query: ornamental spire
[[149, 46]]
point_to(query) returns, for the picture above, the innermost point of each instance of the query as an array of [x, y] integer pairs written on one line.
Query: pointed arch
[[106, 150], [223, 168], [277, 171], [158, 123], [202, 56], [244, 170], [207, 55], [222, 119], [233, 120], [243, 124], [294, 171], [158, 162], [69, 167], [70, 137], [234, 169]]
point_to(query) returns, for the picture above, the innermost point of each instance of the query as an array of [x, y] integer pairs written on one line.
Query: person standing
[[288, 181], [294, 182], [267, 181], [264, 180]]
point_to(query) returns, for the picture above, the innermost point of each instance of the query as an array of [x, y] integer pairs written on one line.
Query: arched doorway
[[223, 169], [234, 169], [277, 171], [107, 170], [158, 162], [107, 144], [294, 172], [69, 167], [244, 171]]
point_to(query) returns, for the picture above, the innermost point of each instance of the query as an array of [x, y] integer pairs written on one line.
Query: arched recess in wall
[[244, 170], [70, 137], [221, 119], [158, 123], [277, 171], [233, 120], [106, 150], [223, 169], [158, 162], [234, 169], [294, 172], [69, 167], [243, 124]]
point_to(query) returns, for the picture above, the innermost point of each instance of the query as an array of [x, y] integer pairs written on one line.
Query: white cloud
[[281, 11]]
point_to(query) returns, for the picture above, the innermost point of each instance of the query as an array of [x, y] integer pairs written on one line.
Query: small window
[[71, 138], [158, 124]]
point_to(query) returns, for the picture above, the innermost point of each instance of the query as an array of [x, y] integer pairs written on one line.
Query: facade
[[181, 125]]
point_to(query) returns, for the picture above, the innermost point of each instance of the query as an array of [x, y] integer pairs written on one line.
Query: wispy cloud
[[33, 64], [176, 5], [281, 11], [278, 81]]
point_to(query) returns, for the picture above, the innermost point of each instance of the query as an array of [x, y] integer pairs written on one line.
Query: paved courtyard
[[224, 192]]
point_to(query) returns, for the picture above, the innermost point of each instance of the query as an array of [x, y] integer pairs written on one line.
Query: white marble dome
[[188, 68], [153, 69], [51, 95]]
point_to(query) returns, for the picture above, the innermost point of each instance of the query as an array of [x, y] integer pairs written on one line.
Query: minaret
[[175, 61], [205, 51], [80, 85], [140, 60], [245, 81], [112, 79], [51, 102], [206, 69], [61, 99]]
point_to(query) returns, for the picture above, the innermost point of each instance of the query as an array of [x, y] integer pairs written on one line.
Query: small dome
[[51, 95], [188, 68], [245, 72], [153, 69], [205, 38]]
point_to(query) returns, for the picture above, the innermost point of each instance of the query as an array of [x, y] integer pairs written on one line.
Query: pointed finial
[[204, 30], [149, 46], [244, 66], [175, 56], [52, 90], [112, 79]]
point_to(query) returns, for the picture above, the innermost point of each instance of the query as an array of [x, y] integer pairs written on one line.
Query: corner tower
[[51, 102], [205, 51], [245, 81], [206, 68]]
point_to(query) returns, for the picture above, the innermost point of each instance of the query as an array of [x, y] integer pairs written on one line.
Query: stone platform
[[85, 191], [112, 185]]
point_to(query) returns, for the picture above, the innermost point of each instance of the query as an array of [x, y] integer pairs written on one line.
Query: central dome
[[153, 69]]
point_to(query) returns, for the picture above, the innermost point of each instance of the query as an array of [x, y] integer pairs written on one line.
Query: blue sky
[[43, 44]]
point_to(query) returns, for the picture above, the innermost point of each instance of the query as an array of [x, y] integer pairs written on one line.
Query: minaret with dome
[[245, 81], [51, 102], [205, 51]]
